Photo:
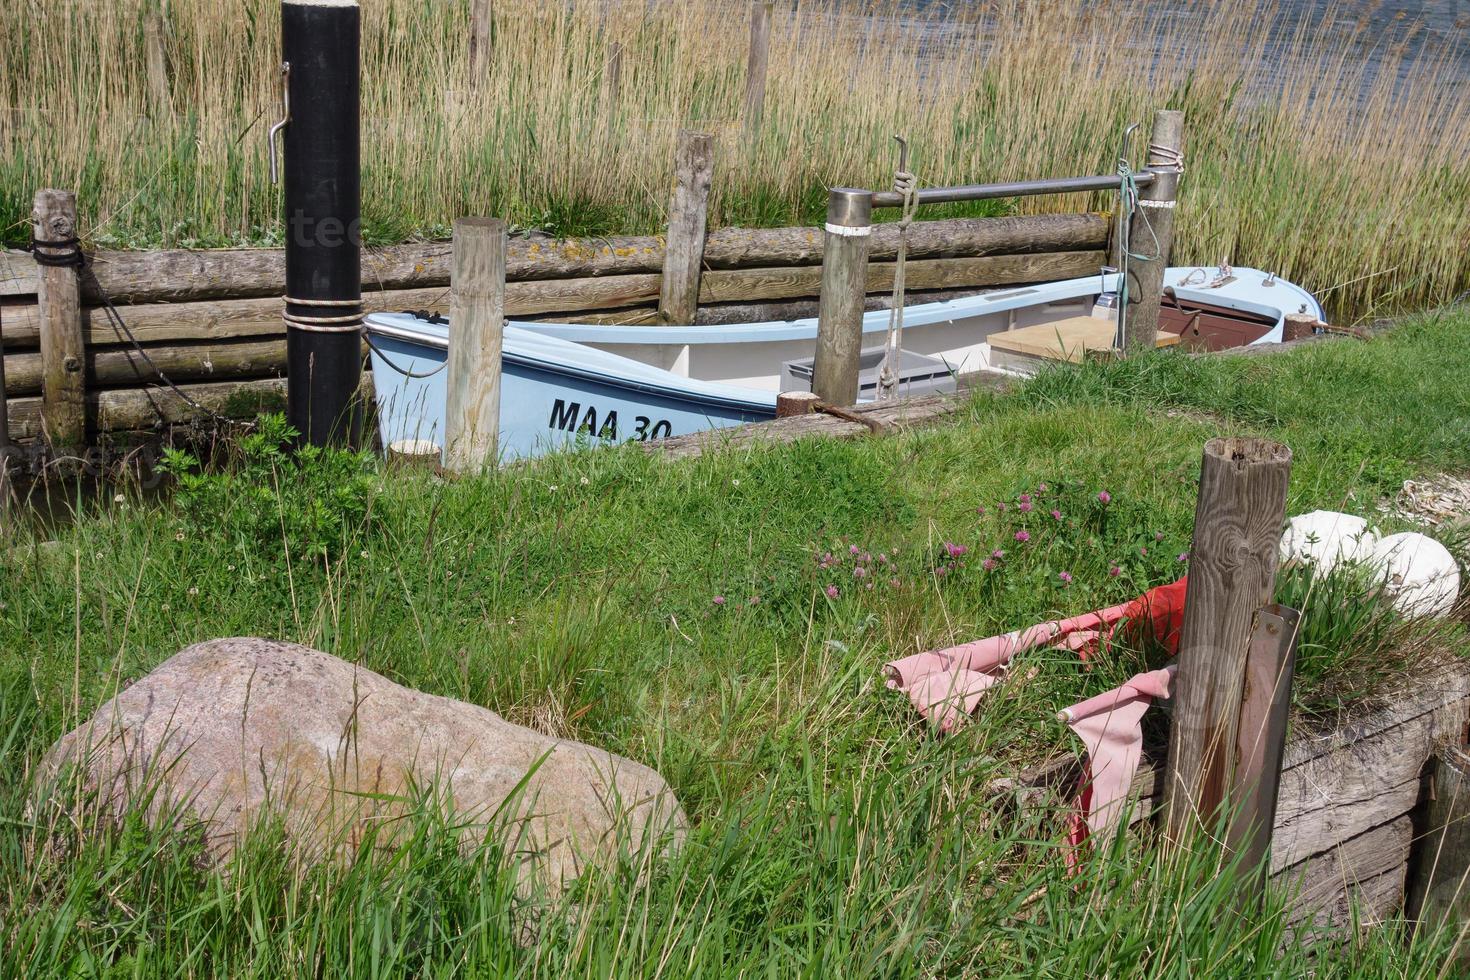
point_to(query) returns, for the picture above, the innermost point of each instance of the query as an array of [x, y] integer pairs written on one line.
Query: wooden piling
[[59, 312], [1261, 738], [476, 335], [756, 66], [1439, 872], [1151, 231], [789, 403], [479, 39], [612, 78], [1232, 574], [688, 215], [840, 306], [154, 29]]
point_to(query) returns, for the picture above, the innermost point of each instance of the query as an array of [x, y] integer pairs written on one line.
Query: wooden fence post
[[612, 77], [1232, 574], [688, 214], [479, 39], [1151, 231], [756, 65], [1439, 874], [1261, 739], [59, 312], [154, 29], [844, 287], [476, 334]]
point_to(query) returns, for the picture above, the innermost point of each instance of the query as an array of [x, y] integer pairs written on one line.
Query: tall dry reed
[[1345, 174]]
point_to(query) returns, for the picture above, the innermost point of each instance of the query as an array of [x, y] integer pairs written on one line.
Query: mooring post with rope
[[58, 255], [844, 287], [320, 51], [1144, 254]]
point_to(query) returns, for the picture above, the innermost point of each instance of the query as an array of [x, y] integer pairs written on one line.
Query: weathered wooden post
[[1439, 874], [154, 29], [476, 336], [59, 310], [320, 48], [844, 287], [479, 39], [1261, 739], [789, 403], [612, 77], [688, 214], [756, 66], [1232, 574], [1151, 231]]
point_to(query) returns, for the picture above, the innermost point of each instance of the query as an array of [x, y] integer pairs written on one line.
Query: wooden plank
[[1322, 880], [1073, 339], [747, 285], [59, 322], [899, 415], [476, 335], [17, 273], [125, 366], [143, 408], [1232, 573], [185, 275], [238, 318], [688, 213]]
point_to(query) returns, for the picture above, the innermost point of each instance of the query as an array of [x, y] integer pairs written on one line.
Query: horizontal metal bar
[[1022, 188]]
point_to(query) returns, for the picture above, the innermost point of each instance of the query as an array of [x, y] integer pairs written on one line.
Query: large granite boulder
[[232, 730]]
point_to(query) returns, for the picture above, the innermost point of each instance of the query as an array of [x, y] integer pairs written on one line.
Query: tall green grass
[[1305, 157], [833, 835]]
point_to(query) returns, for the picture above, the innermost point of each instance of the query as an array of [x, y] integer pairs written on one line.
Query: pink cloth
[[946, 685], [1110, 725]]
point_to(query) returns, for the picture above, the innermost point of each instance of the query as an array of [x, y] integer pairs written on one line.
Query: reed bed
[[1346, 174]]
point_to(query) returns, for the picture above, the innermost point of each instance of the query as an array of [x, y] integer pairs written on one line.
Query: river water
[[1428, 31]]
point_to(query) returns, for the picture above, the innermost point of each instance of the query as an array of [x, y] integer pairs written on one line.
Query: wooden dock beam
[[757, 65]]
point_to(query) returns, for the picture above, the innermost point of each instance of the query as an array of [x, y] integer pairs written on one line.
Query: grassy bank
[[688, 615], [1308, 160]]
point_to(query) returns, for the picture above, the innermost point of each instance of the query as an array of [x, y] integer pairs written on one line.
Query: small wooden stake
[[1439, 873], [612, 77], [476, 334], [840, 307], [756, 66], [1232, 573], [59, 310], [688, 215], [1261, 738], [789, 403], [158, 87], [1151, 232], [479, 39]]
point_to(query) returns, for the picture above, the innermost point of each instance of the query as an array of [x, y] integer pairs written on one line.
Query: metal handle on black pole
[[320, 42]]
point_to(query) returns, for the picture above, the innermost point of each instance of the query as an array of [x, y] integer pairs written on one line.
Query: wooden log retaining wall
[[210, 320], [1350, 802]]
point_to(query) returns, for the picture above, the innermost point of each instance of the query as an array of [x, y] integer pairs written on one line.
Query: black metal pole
[[320, 50]]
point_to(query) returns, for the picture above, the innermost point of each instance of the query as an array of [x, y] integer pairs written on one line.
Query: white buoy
[[1326, 537], [1422, 579]]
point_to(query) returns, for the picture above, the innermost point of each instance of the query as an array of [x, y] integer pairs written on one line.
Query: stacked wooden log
[[211, 320]]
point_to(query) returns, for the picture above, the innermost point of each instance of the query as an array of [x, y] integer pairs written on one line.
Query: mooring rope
[[907, 184]]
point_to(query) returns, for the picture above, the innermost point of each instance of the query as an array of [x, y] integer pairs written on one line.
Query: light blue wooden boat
[[568, 383]]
